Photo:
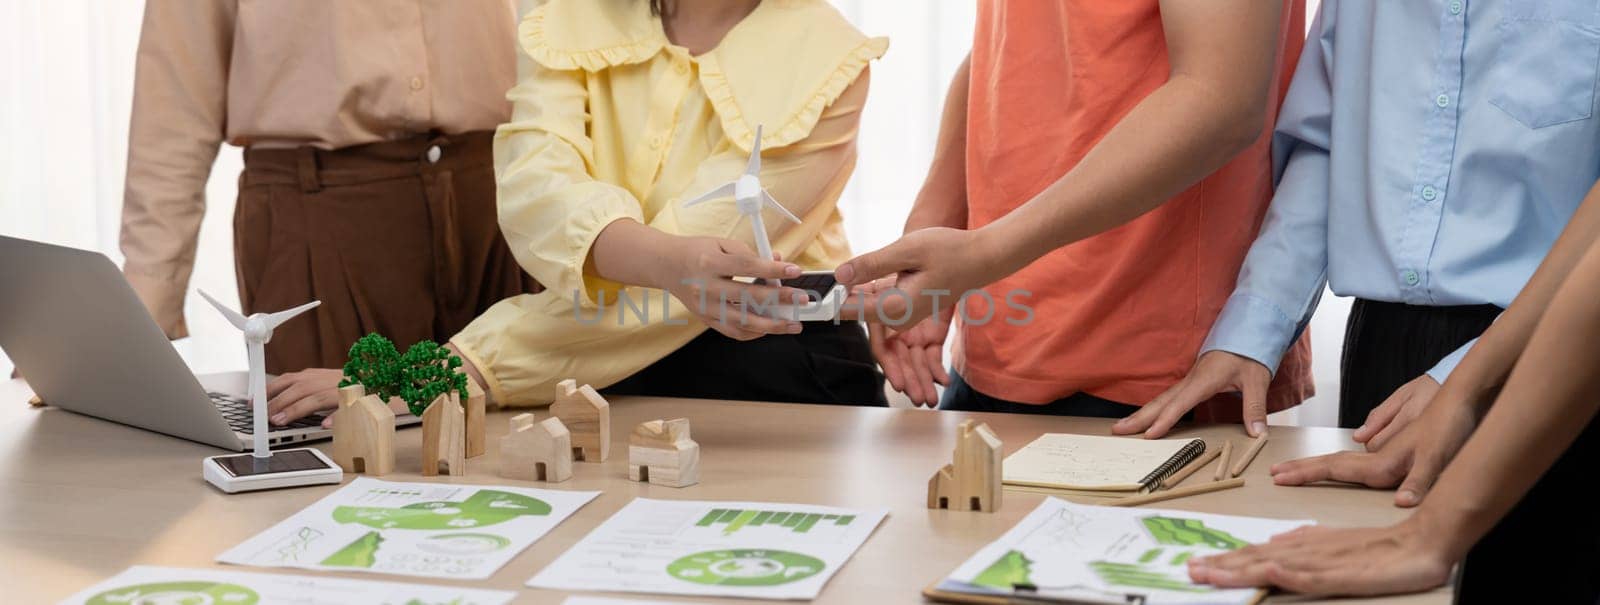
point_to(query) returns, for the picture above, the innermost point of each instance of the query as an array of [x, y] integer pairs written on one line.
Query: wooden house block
[[444, 436], [587, 417], [661, 452], [536, 451], [477, 431], [971, 482], [363, 433]]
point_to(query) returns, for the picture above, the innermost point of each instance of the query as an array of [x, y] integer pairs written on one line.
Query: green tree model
[[375, 365], [418, 377], [427, 371]]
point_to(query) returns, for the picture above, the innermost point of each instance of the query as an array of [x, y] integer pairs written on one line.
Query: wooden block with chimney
[[536, 451], [661, 452], [587, 417], [444, 436], [363, 433], [477, 431], [971, 482]]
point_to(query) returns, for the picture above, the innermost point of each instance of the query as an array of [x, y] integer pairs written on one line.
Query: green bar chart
[[732, 520]]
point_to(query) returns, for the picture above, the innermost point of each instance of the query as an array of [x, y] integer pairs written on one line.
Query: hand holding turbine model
[[751, 198]]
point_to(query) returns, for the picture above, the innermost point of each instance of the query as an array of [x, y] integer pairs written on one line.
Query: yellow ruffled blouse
[[613, 121]]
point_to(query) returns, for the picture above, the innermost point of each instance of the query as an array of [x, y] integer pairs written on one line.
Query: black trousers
[[1547, 549], [1388, 344], [824, 363], [961, 397]]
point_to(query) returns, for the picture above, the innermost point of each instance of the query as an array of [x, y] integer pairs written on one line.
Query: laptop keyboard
[[237, 411]]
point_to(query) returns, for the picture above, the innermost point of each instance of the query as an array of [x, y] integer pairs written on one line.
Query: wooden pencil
[[1198, 488], [1222, 465], [1189, 469], [1250, 454]]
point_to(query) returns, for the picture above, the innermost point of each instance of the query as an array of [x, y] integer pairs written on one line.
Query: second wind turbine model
[[750, 196]]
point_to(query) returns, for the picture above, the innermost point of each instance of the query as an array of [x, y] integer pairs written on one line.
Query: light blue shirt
[[1428, 153]]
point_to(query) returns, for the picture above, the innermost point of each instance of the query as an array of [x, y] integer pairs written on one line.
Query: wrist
[[1000, 247], [1446, 528]]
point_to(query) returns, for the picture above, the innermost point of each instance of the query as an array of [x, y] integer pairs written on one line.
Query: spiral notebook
[[1090, 463]]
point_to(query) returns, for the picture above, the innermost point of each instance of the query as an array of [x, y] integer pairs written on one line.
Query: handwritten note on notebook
[[1097, 463]]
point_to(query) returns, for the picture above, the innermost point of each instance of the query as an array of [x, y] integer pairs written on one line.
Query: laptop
[[85, 343]]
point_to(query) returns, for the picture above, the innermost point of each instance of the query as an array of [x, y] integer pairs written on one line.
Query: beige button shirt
[[284, 73]]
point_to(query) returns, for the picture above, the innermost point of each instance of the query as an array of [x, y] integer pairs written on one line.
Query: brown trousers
[[392, 237]]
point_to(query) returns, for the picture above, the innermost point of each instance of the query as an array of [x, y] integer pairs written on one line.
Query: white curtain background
[[68, 65]]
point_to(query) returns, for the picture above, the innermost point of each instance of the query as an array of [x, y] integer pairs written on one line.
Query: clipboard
[[1023, 596], [934, 593]]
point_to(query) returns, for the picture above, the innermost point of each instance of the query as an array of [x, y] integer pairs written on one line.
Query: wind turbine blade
[[754, 167], [722, 191], [233, 316], [276, 319], [767, 197]]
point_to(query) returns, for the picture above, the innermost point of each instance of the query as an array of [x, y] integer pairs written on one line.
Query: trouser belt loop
[[306, 169]]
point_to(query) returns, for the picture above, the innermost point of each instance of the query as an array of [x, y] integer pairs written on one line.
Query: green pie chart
[[178, 593], [745, 567], [484, 508]]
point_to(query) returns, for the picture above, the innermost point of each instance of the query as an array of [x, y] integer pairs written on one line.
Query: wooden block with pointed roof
[[363, 433], [536, 451], [661, 452], [587, 417], [477, 429], [971, 482], [444, 436]]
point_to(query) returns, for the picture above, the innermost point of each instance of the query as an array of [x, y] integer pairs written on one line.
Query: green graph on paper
[[1175, 531], [1007, 572], [1139, 576], [1155, 567], [732, 520]]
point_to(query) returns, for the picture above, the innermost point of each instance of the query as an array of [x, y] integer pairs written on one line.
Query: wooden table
[[82, 499]]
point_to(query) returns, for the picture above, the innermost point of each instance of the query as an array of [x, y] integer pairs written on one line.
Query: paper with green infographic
[[433, 530], [728, 549], [1094, 553], [141, 585]]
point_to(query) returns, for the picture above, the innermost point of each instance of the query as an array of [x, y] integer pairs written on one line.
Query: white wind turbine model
[[232, 473], [750, 197]]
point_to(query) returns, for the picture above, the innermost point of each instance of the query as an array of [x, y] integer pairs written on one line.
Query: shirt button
[[434, 153], [681, 67], [656, 142], [1455, 7], [1442, 101], [1410, 277], [416, 83], [1429, 193]]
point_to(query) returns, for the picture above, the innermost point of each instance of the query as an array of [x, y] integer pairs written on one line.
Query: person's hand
[[913, 360], [1403, 406], [1215, 372], [1412, 459], [701, 276], [1407, 557], [937, 262], [296, 395]]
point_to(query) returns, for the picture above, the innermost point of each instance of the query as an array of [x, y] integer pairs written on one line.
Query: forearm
[[1213, 105], [942, 202], [173, 135], [1179, 134], [631, 253], [1486, 366], [1547, 400]]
